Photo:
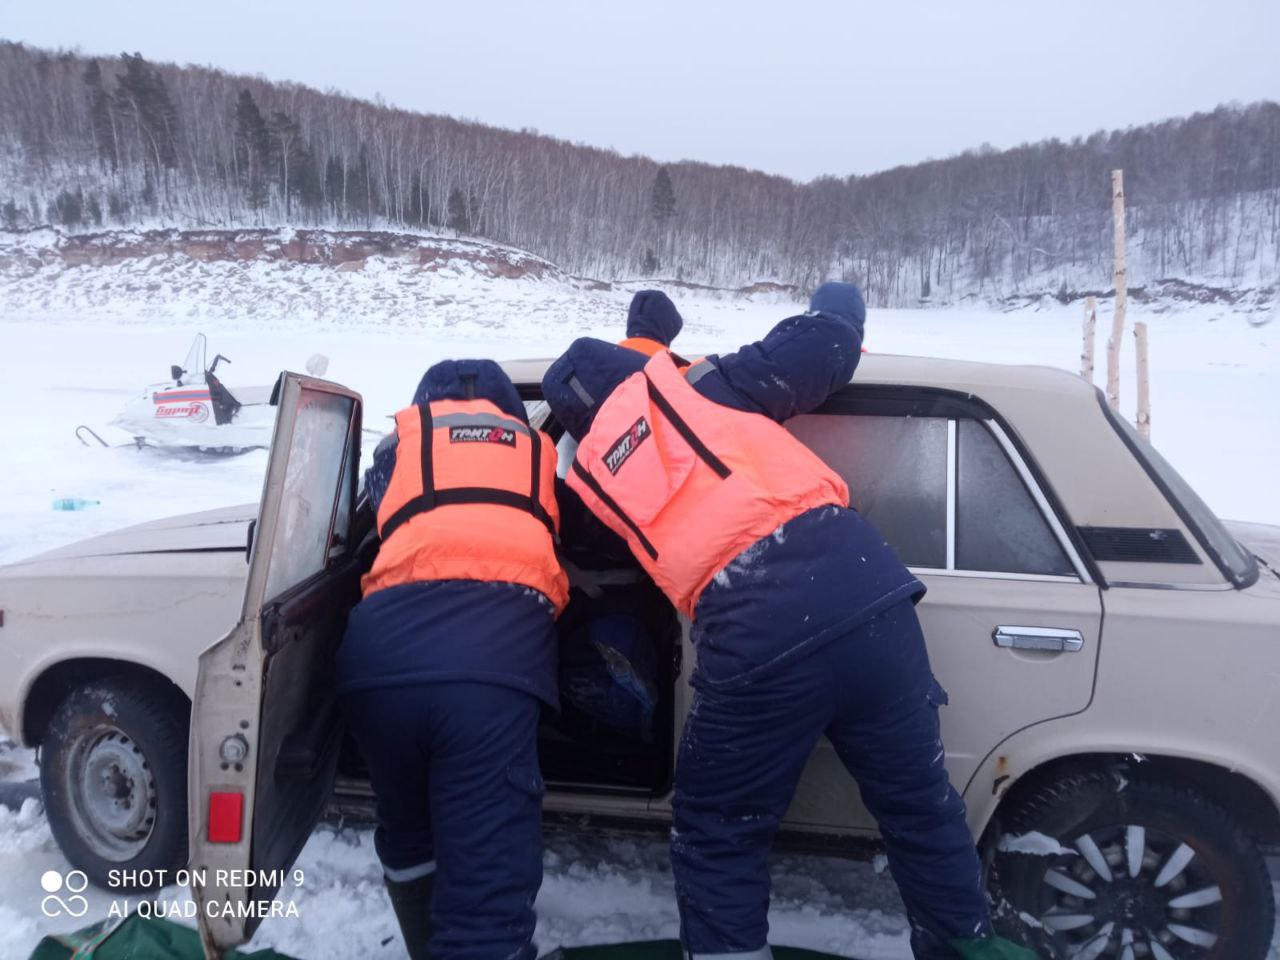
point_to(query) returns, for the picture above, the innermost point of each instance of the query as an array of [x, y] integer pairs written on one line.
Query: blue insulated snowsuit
[[841, 655], [441, 683]]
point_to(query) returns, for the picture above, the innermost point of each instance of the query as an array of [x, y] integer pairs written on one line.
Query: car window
[[998, 525], [900, 469], [566, 450], [538, 412], [896, 468], [318, 452], [342, 516]]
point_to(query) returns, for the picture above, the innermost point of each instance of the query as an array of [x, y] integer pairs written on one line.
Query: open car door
[[265, 726]]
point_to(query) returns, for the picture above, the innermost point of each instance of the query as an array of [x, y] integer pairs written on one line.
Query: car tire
[[113, 770], [1154, 858]]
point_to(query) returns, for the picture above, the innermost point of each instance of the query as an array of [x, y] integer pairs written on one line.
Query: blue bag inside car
[[609, 672]]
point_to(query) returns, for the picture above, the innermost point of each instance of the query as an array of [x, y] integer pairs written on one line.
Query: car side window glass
[[346, 502], [538, 412], [318, 455], [566, 450], [896, 469], [999, 528]]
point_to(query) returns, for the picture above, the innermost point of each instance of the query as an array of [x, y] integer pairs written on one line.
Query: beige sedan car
[[1111, 650]]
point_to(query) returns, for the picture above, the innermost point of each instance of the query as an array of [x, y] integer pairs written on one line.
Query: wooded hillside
[[91, 143]]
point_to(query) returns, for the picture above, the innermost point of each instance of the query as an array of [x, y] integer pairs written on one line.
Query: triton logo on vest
[[626, 445], [482, 434]]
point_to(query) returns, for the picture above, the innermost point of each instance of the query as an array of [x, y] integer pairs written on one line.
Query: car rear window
[[1236, 563], [998, 526]]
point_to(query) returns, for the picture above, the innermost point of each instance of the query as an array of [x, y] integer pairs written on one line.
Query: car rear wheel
[[113, 771], [1134, 870]]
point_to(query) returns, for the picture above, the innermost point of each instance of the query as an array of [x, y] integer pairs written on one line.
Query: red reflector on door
[[226, 814]]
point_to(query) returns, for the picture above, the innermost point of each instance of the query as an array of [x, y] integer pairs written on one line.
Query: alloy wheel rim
[[1131, 893]]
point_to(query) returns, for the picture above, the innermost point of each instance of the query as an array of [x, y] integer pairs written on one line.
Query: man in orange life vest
[[803, 620], [448, 656]]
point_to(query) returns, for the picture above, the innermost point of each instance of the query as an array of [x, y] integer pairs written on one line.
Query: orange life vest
[[472, 497], [690, 483], [643, 345]]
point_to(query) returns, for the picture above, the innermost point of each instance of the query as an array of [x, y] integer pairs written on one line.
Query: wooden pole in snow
[[1144, 395], [1090, 325], [1122, 291]]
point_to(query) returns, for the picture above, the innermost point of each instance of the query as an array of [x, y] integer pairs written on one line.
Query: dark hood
[[842, 300], [471, 380], [652, 315], [581, 380]]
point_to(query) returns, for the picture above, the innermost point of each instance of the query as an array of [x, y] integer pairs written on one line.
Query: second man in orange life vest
[[449, 655], [803, 620]]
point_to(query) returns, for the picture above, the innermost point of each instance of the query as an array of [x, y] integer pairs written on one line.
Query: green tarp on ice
[[134, 938], [144, 938], [663, 950]]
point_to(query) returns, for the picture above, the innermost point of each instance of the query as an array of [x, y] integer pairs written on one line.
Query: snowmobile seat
[[225, 405]]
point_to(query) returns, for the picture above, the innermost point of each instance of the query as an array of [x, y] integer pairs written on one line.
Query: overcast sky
[[797, 87]]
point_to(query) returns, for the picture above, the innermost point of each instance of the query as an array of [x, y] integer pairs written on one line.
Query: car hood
[[1260, 539], [224, 529]]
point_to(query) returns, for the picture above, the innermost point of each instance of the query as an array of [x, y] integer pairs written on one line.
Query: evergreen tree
[[253, 150], [416, 207], [459, 214], [93, 210], [117, 209], [142, 96], [651, 264], [362, 195], [306, 176], [662, 198], [148, 189], [9, 215], [67, 208], [104, 133], [333, 181]]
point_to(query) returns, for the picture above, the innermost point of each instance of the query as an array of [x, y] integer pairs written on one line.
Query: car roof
[[1052, 416], [893, 369]]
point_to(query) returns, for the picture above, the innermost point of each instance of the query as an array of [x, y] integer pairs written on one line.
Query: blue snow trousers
[[454, 766], [872, 693]]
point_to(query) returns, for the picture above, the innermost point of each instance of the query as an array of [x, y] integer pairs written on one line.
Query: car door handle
[[1050, 639]]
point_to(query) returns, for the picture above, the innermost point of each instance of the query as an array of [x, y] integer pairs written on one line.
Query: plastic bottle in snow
[[73, 503]]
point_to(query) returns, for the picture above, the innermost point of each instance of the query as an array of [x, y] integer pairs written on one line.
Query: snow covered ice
[[76, 354]]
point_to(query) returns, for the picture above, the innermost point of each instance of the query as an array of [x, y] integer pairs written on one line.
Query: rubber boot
[[411, 901]]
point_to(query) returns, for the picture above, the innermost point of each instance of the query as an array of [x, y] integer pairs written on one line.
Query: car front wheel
[[113, 771], [1104, 867]]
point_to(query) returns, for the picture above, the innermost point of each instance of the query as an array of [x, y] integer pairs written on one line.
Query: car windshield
[[1237, 564]]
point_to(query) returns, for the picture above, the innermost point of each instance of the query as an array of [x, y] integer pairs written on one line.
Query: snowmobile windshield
[[194, 364]]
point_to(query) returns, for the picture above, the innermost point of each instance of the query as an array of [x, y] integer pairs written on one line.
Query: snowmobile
[[195, 409]]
